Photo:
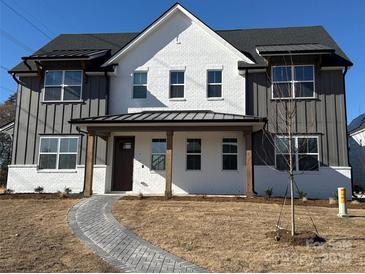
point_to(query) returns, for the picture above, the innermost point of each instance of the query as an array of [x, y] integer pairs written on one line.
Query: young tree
[[287, 85]]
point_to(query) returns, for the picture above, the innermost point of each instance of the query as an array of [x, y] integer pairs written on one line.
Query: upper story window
[[57, 152], [305, 155], [177, 81], [293, 82], [140, 85], [62, 85], [158, 154], [214, 84]]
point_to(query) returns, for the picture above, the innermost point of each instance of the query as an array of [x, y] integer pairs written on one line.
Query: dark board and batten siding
[[323, 116], [35, 118]]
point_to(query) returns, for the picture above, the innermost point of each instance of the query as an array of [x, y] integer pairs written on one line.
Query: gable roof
[[244, 40], [357, 124], [176, 8]]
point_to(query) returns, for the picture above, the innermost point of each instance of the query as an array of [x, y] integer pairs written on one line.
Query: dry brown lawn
[[35, 237], [230, 236]]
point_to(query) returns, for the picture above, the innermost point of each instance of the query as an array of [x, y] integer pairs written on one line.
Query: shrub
[[268, 192], [302, 194], [68, 190], [9, 191], [39, 189]]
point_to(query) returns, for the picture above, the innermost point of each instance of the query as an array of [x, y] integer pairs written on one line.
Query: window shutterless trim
[[139, 85], [292, 82], [296, 153], [214, 84], [58, 151], [192, 153], [170, 84], [62, 86], [230, 153], [152, 153]]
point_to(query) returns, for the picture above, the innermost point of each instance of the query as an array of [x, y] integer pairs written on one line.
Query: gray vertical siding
[[324, 116], [35, 118]]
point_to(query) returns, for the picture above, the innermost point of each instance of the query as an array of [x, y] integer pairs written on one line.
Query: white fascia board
[[357, 132], [156, 24]]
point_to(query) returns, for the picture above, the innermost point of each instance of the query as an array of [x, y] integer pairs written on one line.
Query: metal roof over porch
[[169, 116]]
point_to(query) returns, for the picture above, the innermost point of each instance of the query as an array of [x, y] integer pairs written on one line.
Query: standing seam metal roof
[[168, 116]]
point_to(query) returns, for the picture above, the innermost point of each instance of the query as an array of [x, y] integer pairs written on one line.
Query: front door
[[123, 164]]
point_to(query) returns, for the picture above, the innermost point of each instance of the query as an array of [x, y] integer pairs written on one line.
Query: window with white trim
[[214, 84], [158, 157], [58, 152], [230, 153], [193, 154], [140, 85], [177, 81], [305, 153], [293, 81], [62, 85]]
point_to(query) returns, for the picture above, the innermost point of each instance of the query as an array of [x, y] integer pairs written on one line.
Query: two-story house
[[180, 108]]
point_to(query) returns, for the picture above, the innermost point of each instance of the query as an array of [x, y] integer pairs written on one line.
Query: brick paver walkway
[[92, 221]]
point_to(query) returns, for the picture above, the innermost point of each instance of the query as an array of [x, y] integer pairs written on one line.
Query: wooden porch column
[[89, 164], [169, 153], [249, 166]]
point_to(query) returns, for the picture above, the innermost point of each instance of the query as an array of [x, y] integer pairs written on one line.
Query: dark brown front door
[[123, 164]]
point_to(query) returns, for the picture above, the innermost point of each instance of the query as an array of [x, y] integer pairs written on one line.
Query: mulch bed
[[304, 238], [275, 200], [40, 196]]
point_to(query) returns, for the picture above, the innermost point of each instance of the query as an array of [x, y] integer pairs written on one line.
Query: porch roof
[[177, 117]]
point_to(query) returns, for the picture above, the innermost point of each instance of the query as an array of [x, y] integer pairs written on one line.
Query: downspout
[[107, 93], [347, 136]]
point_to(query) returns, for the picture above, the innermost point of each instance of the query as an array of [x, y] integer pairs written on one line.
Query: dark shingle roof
[[293, 48], [59, 54], [168, 116], [245, 40], [357, 124]]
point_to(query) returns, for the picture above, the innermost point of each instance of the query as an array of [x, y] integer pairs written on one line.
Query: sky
[[27, 25]]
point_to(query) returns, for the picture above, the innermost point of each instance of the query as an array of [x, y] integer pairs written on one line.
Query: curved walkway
[[92, 221]]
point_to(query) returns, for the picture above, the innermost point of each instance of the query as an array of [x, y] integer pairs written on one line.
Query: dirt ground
[[230, 236], [35, 237]]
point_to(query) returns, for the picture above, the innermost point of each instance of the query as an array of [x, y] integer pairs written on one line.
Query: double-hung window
[[214, 84], [304, 153], [140, 85], [177, 80], [293, 81], [62, 85], [230, 154], [193, 154], [158, 154], [58, 152]]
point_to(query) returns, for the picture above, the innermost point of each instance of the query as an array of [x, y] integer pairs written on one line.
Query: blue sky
[[344, 20]]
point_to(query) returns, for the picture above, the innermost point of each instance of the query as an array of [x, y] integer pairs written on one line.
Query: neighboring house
[[8, 128], [180, 108], [356, 131]]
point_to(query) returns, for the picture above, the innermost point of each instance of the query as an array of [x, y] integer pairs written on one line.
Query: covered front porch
[[130, 161]]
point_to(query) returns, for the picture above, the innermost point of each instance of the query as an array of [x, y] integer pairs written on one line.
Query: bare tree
[[285, 89]]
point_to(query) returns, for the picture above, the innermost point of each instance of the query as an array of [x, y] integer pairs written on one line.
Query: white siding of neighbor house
[[211, 179], [357, 157], [178, 44]]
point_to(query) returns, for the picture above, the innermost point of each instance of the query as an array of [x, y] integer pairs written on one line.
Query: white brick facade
[[25, 178], [179, 43], [211, 179]]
